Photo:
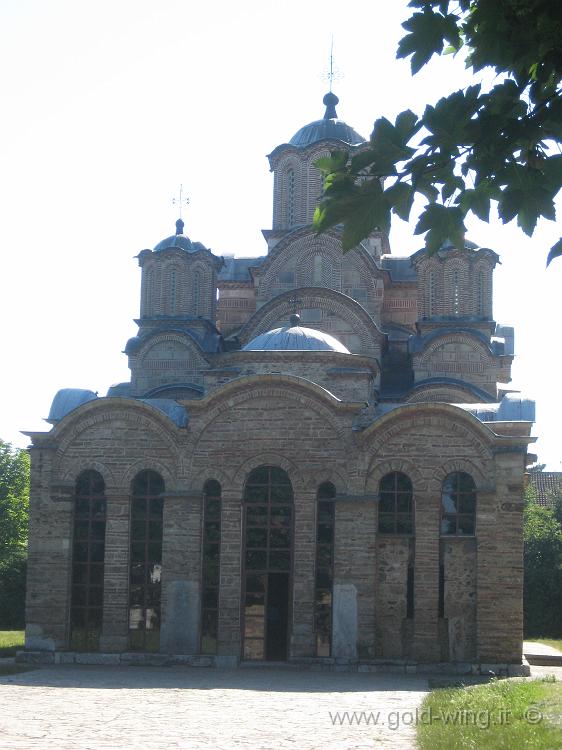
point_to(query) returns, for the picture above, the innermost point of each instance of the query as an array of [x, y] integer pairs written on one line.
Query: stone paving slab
[[532, 647], [109, 708]]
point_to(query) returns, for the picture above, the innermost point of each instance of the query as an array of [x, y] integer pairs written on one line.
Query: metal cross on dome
[[181, 200], [332, 73], [295, 301]]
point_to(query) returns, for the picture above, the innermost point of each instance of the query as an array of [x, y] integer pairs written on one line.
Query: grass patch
[[11, 641], [504, 714], [554, 642]]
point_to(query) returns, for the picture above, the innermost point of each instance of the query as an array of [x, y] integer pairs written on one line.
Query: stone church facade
[[318, 458]]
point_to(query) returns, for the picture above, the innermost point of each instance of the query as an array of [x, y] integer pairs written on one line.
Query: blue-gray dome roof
[[181, 240], [295, 338], [329, 127], [68, 399]]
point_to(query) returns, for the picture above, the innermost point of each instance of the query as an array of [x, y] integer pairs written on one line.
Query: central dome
[[295, 338], [327, 128]]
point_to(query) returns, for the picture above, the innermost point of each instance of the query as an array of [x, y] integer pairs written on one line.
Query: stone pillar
[[499, 522], [353, 626], [115, 630], [229, 647], [48, 567], [181, 573], [304, 559], [426, 578]]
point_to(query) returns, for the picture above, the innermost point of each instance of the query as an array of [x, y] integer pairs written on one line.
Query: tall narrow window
[[145, 561], [197, 293], [456, 293], [431, 294], [324, 582], [317, 271], [481, 293], [173, 291], [441, 594], [291, 198], [458, 505], [88, 551], [410, 591], [149, 295], [211, 567], [396, 508]]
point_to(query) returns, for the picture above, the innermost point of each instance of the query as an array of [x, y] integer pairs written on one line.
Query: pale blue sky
[[109, 106]]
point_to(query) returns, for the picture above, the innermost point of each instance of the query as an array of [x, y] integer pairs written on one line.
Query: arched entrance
[[267, 574]]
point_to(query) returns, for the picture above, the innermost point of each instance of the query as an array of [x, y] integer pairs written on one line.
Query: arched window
[[210, 567], [458, 505], [291, 198], [268, 545], [324, 581], [145, 561], [396, 508], [88, 552]]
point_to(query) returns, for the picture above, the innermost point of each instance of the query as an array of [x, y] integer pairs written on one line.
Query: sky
[[108, 106]]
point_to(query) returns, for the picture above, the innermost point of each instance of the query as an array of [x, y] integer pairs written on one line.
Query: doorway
[[267, 574]]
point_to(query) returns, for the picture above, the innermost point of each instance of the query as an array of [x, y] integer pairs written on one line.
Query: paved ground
[[532, 647], [109, 708]]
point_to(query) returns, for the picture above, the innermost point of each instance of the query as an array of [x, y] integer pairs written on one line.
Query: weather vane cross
[[181, 200], [332, 73], [294, 301]]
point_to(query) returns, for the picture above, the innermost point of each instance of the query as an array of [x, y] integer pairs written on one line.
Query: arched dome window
[[173, 291], [291, 197]]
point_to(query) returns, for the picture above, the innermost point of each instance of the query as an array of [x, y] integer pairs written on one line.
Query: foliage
[[14, 509], [502, 714], [14, 499], [13, 571], [473, 147], [542, 597]]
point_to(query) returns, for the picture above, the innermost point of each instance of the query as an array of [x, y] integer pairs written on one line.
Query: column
[[181, 573], [115, 629]]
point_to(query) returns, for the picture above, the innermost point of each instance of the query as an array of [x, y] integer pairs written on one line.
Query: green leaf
[[400, 196], [441, 223], [555, 252], [333, 163]]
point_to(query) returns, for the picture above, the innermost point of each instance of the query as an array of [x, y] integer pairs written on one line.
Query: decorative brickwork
[[389, 522]]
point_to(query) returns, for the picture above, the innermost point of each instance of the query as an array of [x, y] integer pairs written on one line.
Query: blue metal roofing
[[400, 269], [68, 399], [327, 128], [170, 408], [238, 269], [295, 338]]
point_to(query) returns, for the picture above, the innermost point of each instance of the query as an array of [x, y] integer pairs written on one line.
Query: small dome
[[329, 127], [295, 338], [180, 240]]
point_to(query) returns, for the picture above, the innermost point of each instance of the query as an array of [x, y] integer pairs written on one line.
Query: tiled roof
[[547, 484]]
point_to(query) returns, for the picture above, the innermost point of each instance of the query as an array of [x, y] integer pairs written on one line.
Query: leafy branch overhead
[[472, 148]]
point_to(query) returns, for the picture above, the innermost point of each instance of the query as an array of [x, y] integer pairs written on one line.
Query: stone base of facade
[[380, 666]]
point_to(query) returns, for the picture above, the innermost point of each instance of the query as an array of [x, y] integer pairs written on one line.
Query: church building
[[318, 459]]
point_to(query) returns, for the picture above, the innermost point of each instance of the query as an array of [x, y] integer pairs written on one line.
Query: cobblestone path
[[169, 708]]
